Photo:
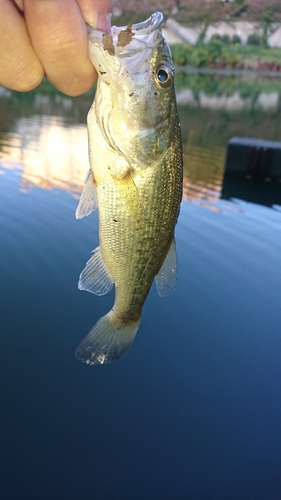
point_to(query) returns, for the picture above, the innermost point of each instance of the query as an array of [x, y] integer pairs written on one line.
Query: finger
[[20, 68], [104, 20], [19, 4], [97, 14], [59, 36]]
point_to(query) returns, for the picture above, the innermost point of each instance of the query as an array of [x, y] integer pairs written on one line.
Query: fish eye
[[164, 76]]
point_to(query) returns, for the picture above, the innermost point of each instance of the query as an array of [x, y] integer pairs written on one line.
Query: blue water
[[193, 411]]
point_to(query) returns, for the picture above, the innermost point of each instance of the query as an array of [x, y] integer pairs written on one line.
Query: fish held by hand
[[135, 180]]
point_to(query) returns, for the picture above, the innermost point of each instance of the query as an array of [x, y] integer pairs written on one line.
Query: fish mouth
[[128, 47], [143, 28]]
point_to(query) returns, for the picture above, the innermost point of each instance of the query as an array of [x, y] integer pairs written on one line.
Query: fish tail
[[108, 340]]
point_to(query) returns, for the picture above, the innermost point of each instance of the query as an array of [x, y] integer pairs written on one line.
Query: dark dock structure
[[253, 170]]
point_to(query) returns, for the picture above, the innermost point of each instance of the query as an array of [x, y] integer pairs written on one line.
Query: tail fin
[[108, 340]]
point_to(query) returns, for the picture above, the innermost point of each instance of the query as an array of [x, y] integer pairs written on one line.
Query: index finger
[[20, 68], [58, 34]]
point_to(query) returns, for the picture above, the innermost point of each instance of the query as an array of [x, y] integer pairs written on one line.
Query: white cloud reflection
[[51, 153]]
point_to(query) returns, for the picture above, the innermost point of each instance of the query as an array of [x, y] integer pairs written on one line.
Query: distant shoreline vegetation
[[221, 54]]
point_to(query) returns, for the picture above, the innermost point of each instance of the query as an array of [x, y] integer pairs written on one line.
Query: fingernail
[[104, 22]]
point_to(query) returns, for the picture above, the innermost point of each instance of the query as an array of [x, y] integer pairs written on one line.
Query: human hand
[[49, 37]]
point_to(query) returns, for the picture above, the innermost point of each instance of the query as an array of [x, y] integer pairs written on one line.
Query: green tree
[[148, 6], [267, 13], [205, 12]]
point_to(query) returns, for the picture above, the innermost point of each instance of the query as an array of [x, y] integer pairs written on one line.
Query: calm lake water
[[193, 412]]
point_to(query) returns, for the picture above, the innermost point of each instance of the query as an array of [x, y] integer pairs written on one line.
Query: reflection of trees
[[213, 127], [53, 150], [203, 172], [205, 135], [7, 115]]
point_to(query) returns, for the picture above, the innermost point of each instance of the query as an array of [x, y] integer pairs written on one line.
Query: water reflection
[[45, 136], [211, 352], [50, 153], [265, 101], [203, 171]]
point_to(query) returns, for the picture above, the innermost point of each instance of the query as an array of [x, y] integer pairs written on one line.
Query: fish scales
[[134, 250], [136, 162]]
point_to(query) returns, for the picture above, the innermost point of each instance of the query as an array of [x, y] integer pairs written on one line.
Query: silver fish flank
[[135, 180]]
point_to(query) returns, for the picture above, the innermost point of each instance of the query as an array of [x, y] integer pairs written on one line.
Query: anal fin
[[94, 277], [89, 200], [166, 279]]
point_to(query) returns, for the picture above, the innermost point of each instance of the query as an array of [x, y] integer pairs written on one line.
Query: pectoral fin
[[166, 279], [94, 277], [88, 201]]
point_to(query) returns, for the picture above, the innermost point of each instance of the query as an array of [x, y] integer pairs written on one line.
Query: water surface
[[194, 410]]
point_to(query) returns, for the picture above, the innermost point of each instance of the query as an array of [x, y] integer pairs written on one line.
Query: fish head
[[135, 93]]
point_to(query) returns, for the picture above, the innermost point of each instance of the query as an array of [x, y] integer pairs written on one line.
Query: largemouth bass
[[135, 180]]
